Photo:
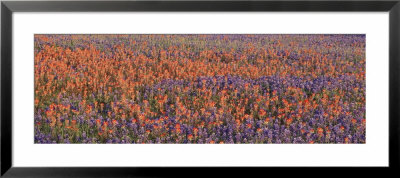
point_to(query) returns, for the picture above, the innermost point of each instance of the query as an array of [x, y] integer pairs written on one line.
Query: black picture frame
[[8, 7]]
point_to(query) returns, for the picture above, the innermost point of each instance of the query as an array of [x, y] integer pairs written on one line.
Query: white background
[[373, 153]]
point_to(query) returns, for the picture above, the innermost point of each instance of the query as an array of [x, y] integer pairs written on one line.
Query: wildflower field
[[199, 89]]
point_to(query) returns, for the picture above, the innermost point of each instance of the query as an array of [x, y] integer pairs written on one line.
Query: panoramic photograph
[[199, 89]]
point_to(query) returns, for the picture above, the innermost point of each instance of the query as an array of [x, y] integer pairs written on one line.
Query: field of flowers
[[199, 89]]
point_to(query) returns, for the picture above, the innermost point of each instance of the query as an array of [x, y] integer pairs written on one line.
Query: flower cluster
[[200, 89]]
